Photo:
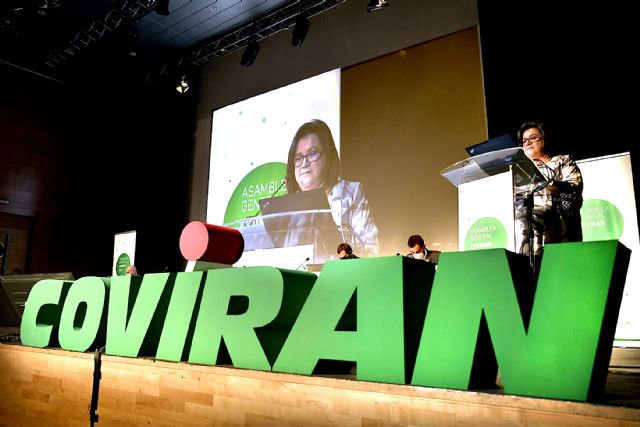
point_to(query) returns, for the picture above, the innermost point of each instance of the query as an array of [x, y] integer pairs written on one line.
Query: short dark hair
[[345, 247], [332, 171], [537, 124], [416, 239]]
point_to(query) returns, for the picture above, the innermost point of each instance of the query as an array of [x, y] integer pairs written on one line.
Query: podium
[[305, 227], [291, 229], [489, 185], [495, 162]]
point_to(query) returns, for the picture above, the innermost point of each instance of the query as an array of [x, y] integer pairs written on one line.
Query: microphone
[[306, 260], [284, 181], [282, 184]]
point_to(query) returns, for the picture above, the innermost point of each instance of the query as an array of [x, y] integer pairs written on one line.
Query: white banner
[[124, 251], [609, 213], [485, 213]]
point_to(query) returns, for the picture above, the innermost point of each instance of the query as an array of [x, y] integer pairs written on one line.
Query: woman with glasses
[[314, 163], [556, 205]]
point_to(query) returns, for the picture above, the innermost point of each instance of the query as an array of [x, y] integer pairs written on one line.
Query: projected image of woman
[[314, 163]]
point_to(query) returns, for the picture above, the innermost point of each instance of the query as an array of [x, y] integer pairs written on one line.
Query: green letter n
[[564, 352]]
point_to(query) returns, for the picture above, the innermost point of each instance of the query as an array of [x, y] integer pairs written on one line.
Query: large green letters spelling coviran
[[391, 316]]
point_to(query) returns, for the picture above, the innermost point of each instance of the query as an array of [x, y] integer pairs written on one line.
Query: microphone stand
[[528, 204], [4, 251]]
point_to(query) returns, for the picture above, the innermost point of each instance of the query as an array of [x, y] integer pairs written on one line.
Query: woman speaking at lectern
[[556, 205], [313, 163]]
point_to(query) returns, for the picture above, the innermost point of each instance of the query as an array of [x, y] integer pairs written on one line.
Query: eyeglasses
[[532, 138], [312, 155]]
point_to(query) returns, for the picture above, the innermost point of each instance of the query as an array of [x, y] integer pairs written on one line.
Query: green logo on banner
[[486, 233], [601, 220], [258, 184], [122, 263]]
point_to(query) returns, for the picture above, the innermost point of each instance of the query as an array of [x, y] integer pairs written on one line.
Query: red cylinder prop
[[200, 241]]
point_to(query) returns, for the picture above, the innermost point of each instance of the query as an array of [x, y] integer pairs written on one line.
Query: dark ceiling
[[64, 39]]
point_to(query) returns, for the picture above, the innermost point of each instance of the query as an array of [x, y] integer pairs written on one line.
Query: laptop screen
[[302, 201], [494, 144]]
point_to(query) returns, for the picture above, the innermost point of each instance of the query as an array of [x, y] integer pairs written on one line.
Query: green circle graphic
[[260, 183], [601, 220], [486, 233], [122, 263]]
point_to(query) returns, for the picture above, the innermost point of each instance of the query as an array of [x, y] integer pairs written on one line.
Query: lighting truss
[[259, 29], [202, 54], [119, 15]]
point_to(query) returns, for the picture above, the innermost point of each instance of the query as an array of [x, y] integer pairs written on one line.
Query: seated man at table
[[131, 270], [420, 251], [345, 251]]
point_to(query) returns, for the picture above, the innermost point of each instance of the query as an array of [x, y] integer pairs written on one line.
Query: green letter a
[[386, 326]]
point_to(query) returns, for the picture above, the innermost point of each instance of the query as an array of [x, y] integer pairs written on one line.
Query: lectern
[[487, 186], [304, 227], [296, 220]]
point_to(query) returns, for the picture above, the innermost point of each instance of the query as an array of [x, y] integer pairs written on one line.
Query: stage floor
[[54, 387]]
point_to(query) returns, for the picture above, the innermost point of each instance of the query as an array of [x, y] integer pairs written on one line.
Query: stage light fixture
[[45, 6], [376, 5], [300, 30], [131, 38], [250, 53], [183, 84], [162, 7]]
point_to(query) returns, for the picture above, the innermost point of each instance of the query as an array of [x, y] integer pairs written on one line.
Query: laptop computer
[[493, 144], [302, 201]]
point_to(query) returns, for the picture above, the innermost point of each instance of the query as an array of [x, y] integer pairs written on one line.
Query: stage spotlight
[[300, 30], [183, 84], [163, 7], [131, 38], [250, 53], [376, 5]]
